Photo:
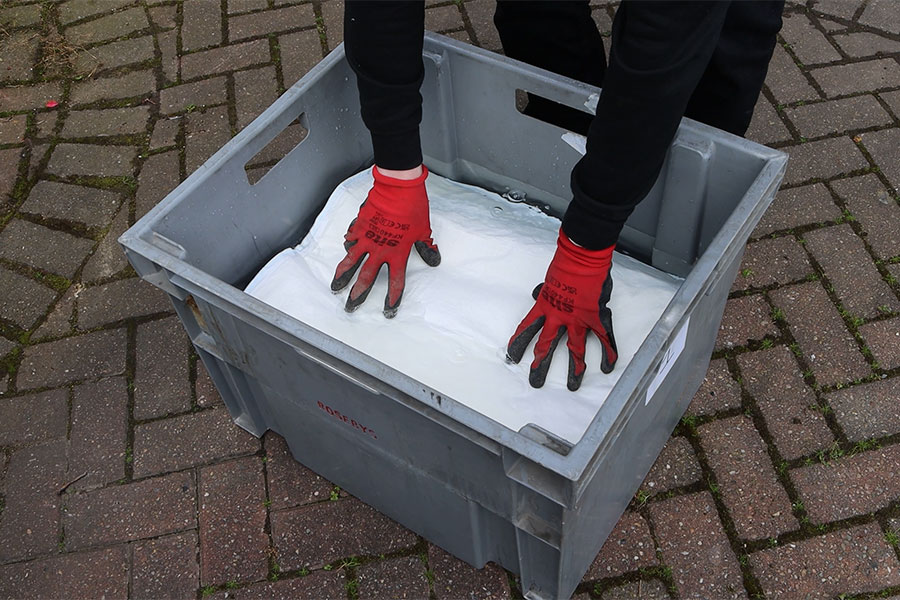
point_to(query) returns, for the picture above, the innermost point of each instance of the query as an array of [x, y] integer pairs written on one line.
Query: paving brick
[[90, 206], [718, 392], [9, 170], [163, 16], [115, 54], [737, 455], [159, 176], [206, 393], [48, 249], [254, 91], [401, 577], [867, 481], [59, 322], [874, 209], [858, 77], [133, 511], [19, 51], [122, 299], [270, 21], [808, 43], [694, 545], [201, 25], [33, 418], [455, 579], [205, 133], [187, 441], [321, 533], [25, 300], [834, 116], [228, 58], [773, 378], [300, 52], [443, 18], [628, 548], [239, 6], [638, 590], [675, 467], [98, 437], [107, 122], [206, 92], [166, 567], [786, 81], [171, 60], [92, 160], [827, 345], [290, 483], [772, 261], [823, 160], [12, 129], [233, 542], [161, 384], [883, 339], [746, 318], [75, 10], [881, 14], [867, 411], [861, 44], [796, 207], [96, 574], [892, 99], [27, 97], [45, 125], [481, 16], [6, 347], [850, 270], [108, 259], [844, 9], [884, 146], [72, 359], [20, 16], [165, 133], [766, 126], [333, 17], [849, 561], [31, 514], [315, 586], [108, 28]]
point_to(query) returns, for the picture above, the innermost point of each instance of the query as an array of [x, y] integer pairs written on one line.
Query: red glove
[[392, 220], [572, 299]]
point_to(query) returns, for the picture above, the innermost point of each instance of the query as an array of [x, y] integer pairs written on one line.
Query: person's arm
[[383, 42]]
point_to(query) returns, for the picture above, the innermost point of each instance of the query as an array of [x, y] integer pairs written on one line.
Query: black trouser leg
[[559, 36], [729, 88]]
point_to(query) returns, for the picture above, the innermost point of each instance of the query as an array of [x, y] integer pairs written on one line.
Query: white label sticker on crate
[[668, 361]]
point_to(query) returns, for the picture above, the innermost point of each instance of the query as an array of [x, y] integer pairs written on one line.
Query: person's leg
[[557, 36], [730, 87]]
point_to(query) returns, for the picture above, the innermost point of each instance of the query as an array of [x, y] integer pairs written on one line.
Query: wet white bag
[[455, 320]]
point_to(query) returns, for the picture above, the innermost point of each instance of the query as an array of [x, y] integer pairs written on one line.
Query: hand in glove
[[571, 300], [392, 220]]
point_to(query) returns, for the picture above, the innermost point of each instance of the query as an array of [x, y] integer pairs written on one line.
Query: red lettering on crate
[[351, 422]]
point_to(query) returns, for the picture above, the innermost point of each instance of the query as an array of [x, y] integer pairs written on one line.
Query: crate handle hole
[[549, 111], [271, 154]]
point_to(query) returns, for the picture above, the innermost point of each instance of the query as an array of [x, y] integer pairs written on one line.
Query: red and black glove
[[571, 300], [392, 220]]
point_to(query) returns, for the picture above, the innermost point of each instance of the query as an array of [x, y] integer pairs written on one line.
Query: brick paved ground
[[122, 475]]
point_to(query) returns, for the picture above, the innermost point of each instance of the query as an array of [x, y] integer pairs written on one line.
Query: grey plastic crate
[[527, 500]]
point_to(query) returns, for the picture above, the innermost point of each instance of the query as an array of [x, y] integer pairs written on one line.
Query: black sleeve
[[659, 53], [383, 41]]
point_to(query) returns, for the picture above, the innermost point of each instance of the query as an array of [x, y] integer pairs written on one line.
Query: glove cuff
[[382, 179], [597, 259]]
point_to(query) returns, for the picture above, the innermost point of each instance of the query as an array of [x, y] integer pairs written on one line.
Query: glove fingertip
[[429, 253], [573, 382]]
